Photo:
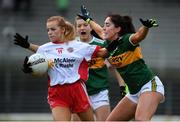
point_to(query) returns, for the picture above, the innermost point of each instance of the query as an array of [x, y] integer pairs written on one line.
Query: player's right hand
[[21, 41], [85, 15], [26, 66], [50, 63]]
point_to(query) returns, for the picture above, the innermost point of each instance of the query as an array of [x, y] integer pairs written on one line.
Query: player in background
[[146, 90], [97, 84]]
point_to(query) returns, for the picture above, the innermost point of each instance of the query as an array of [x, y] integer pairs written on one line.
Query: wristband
[[88, 20]]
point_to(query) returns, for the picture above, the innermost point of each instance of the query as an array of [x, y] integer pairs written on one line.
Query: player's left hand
[[85, 15], [122, 90], [26, 66], [149, 23]]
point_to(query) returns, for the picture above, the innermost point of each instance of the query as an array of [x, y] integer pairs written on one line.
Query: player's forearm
[[140, 35], [142, 32], [33, 47], [97, 28], [117, 76]]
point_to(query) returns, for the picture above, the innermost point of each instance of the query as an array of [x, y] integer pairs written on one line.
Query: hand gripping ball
[[39, 64]]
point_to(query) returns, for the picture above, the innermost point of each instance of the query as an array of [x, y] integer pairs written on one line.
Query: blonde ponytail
[[69, 32]]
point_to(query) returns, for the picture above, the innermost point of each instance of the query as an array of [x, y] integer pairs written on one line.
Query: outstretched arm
[[23, 42], [143, 30]]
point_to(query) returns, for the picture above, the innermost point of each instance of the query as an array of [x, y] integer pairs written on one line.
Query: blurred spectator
[[63, 7]]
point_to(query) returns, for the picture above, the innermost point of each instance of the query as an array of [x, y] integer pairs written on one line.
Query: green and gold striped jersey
[[98, 72], [128, 60]]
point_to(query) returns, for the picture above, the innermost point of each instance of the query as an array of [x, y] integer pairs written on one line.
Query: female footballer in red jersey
[[66, 92], [97, 83]]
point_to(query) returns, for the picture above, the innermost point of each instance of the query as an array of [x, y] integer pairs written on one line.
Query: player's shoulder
[[44, 47], [96, 40], [77, 42], [81, 45], [47, 44], [126, 36]]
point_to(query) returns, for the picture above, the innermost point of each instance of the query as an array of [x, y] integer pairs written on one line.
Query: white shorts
[[153, 85], [99, 99]]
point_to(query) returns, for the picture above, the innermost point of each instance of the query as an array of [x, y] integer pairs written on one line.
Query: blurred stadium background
[[24, 97]]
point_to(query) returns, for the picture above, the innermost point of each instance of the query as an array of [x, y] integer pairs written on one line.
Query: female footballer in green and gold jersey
[[97, 84], [146, 89]]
